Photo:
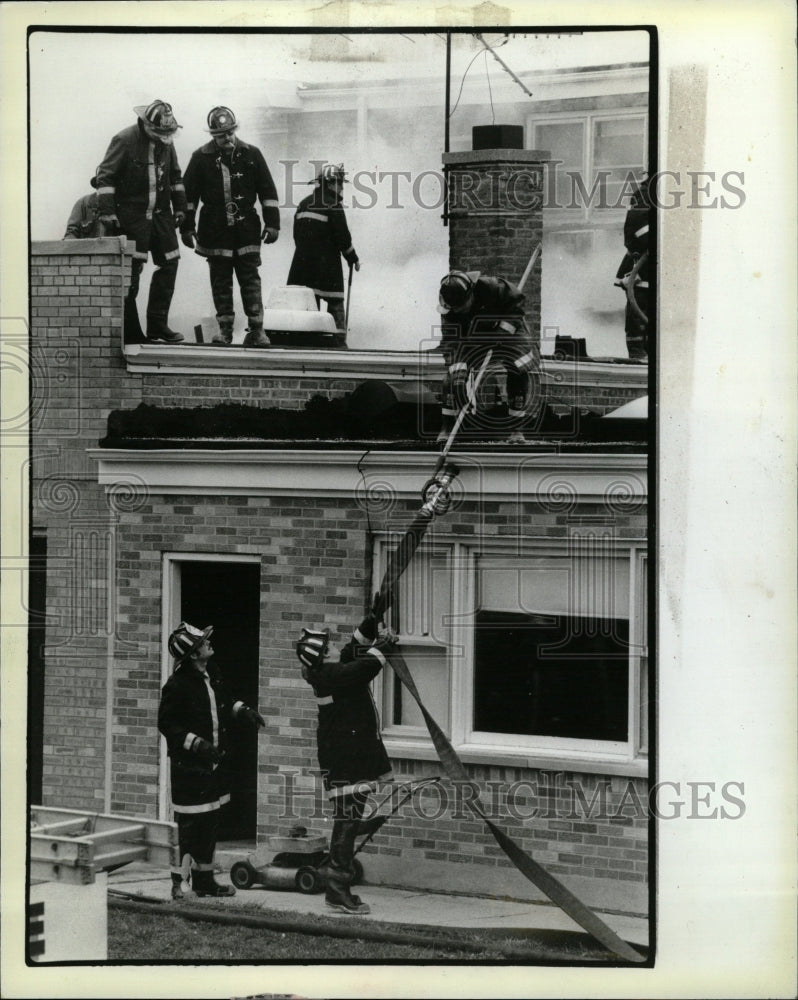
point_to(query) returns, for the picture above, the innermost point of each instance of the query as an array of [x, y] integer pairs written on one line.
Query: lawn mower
[[302, 857]]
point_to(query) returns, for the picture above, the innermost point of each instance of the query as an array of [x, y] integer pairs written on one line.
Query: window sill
[[579, 763]]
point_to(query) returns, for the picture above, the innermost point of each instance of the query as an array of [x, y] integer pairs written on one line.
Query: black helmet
[[455, 291], [221, 120]]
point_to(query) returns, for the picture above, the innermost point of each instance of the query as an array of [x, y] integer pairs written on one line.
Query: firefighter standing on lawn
[[140, 193], [352, 757], [482, 313], [322, 237], [228, 176], [195, 716]]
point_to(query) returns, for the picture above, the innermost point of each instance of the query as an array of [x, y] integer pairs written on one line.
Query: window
[[593, 155], [521, 652], [619, 150]]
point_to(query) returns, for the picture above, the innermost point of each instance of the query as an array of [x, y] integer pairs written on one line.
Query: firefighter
[[635, 270], [196, 716], [351, 753], [321, 235], [140, 193], [84, 222], [228, 176], [482, 313]]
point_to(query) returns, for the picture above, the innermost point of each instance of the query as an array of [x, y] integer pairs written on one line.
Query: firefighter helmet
[[331, 173], [312, 647], [185, 639], [221, 120], [158, 116], [456, 290]]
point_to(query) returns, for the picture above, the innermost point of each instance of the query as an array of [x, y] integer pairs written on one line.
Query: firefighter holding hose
[[481, 314], [351, 753]]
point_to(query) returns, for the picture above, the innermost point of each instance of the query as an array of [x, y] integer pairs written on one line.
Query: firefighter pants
[[637, 331], [196, 836], [520, 363], [335, 307], [245, 267]]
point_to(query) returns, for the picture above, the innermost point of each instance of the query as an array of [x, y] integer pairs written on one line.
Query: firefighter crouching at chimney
[[228, 176], [322, 237], [195, 716], [139, 184], [636, 269], [84, 219], [351, 754], [482, 313]]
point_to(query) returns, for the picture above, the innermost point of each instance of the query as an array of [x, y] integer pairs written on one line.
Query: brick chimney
[[495, 211]]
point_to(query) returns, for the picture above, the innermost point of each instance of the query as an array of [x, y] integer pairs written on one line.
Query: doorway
[[227, 596]]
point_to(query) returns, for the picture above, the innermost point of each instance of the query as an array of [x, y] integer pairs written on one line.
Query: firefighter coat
[[138, 178], [83, 222], [229, 185], [196, 705], [351, 752], [322, 237], [495, 321]]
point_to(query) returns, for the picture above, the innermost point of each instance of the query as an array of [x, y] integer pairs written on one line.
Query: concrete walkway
[[411, 909]]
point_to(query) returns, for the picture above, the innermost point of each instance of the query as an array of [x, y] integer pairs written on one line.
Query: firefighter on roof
[[84, 219], [140, 194], [352, 757], [322, 237], [229, 176], [196, 715], [481, 313], [634, 273]]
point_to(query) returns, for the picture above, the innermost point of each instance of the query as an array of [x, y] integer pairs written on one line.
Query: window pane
[[584, 585], [430, 670], [566, 142], [551, 675], [618, 142]]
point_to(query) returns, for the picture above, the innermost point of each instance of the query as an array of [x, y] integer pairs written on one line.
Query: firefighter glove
[[180, 218], [270, 234], [188, 238], [111, 223], [206, 751], [253, 716], [386, 640]]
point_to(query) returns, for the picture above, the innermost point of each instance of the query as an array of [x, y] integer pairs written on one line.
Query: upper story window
[[532, 651], [593, 155]]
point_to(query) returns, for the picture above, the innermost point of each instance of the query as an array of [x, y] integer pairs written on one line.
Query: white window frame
[[629, 757], [171, 594]]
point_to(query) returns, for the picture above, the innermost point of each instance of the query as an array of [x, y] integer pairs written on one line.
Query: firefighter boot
[[341, 870], [255, 336], [447, 425], [162, 288], [204, 884], [225, 334], [177, 885]]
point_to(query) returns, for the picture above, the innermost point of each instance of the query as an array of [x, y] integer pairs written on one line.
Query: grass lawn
[[152, 933]]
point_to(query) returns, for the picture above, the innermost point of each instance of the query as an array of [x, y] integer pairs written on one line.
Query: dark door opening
[[227, 596], [37, 589]]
